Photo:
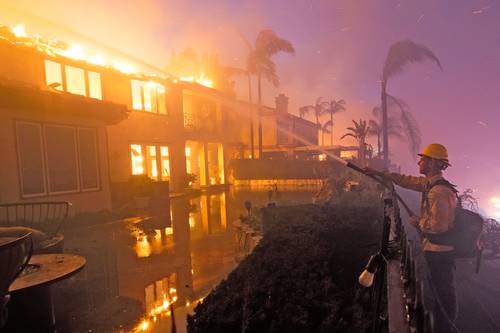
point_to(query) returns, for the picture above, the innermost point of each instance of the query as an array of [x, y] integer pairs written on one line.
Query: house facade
[[71, 130], [53, 136]]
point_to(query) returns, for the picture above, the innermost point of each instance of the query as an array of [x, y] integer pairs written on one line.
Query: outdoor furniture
[[31, 306], [46, 217], [14, 255]]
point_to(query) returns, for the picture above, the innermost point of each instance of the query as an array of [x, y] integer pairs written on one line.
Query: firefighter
[[437, 213]]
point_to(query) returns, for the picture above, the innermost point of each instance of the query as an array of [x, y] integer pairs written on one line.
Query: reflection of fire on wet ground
[[152, 236]]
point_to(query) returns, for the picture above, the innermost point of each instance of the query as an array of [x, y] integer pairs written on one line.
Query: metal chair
[[47, 217], [14, 256]]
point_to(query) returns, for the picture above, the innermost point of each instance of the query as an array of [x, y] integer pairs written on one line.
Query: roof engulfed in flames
[[55, 48]]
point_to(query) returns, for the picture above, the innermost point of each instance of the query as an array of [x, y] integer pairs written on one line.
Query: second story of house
[[159, 100]]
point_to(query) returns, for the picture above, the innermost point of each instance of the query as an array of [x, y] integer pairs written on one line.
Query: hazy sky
[[341, 46]]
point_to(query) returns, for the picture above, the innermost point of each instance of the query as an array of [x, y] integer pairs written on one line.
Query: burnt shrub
[[302, 277]]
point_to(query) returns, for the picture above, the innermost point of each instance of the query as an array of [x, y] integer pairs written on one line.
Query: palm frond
[[334, 106], [348, 134], [375, 128], [268, 44], [328, 124], [319, 100], [403, 53], [412, 132], [303, 110], [396, 101]]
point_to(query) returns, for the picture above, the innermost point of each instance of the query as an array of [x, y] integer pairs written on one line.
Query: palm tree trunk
[[322, 137], [331, 130], [385, 134], [362, 154], [252, 148], [378, 144], [260, 116]]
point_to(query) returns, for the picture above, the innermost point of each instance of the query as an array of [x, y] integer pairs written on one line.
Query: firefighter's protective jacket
[[437, 212]]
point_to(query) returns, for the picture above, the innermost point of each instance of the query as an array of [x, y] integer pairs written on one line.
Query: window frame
[[45, 163], [158, 157], [19, 162], [64, 84], [154, 100], [97, 160]]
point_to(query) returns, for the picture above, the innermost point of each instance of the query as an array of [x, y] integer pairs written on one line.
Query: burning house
[[74, 127]]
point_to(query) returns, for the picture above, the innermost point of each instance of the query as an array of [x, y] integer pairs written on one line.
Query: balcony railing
[[398, 291]]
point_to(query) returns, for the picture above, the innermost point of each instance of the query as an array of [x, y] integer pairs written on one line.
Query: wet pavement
[[140, 269]]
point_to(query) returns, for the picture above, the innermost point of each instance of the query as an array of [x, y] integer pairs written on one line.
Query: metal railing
[[406, 310], [45, 216]]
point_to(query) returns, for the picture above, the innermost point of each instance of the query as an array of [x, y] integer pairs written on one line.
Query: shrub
[[302, 277]]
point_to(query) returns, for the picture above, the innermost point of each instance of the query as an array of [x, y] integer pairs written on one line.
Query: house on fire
[[72, 129]]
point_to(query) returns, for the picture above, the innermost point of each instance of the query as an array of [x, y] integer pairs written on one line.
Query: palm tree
[[400, 54], [407, 124], [326, 127], [303, 110], [318, 108], [259, 63], [375, 127], [335, 106], [359, 132]]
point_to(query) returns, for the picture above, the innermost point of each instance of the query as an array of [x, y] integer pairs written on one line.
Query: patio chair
[[44, 220], [14, 256]]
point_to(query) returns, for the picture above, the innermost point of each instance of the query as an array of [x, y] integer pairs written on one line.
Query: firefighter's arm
[[409, 182], [441, 211]]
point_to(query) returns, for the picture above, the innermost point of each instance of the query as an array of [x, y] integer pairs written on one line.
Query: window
[[148, 96], [56, 159], [148, 159], [29, 142], [151, 162], [61, 158], [95, 90], [75, 80], [53, 75], [137, 159], [89, 167], [165, 163]]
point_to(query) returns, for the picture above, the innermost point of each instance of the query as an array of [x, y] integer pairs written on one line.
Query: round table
[[31, 297]]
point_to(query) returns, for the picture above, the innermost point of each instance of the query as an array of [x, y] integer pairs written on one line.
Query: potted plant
[[141, 190]]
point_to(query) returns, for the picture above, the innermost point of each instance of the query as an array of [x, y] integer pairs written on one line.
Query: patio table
[[31, 298]]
